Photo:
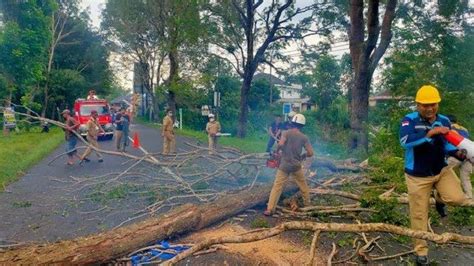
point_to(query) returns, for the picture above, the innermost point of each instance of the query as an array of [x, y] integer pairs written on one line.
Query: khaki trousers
[[169, 145], [465, 170], [212, 144], [93, 142], [280, 179], [118, 138], [419, 191]]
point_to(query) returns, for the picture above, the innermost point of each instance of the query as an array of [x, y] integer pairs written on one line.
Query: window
[[101, 109]]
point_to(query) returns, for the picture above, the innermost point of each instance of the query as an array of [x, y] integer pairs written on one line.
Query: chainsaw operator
[[421, 135], [291, 144], [213, 127]]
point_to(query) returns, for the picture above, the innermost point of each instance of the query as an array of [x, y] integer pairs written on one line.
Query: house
[[386, 97], [289, 93]]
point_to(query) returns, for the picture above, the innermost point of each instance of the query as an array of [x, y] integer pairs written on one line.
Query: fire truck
[[82, 112]]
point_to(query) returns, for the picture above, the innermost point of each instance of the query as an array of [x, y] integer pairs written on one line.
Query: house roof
[[274, 80]]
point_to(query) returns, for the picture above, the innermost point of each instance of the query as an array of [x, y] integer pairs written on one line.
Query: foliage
[[461, 216], [386, 211], [259, 222], [23, 44], [324, 88]]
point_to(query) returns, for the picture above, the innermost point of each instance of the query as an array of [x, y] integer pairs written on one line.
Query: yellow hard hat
[[427, 94]]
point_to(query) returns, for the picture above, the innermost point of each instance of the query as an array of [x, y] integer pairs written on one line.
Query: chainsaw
[[274, 160]]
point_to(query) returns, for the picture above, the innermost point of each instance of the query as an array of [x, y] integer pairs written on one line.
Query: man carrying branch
[[421, 134], [292, 143], [93, 131]]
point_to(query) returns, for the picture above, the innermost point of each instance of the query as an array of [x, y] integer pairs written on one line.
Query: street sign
[[9, 120], [205, 110]]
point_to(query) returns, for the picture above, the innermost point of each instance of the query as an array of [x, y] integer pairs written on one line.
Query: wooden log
[[118, 242]]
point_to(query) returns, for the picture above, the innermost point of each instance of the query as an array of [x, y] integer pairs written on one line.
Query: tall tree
[[324, 86], [154, 33], [23, 43], [366, 54], [127, 24], [246, 30]]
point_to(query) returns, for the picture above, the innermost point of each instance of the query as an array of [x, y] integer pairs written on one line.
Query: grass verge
[[19, 151], [251, 144]]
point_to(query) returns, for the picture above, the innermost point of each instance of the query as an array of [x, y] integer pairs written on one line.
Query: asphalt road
[[49, 203]]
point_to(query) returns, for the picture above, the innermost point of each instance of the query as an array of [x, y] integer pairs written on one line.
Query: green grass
[[251, 144], [19, 151]]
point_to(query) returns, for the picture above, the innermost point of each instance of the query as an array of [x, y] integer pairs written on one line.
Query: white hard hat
[[291, 114], [211, 115], [299, 119]]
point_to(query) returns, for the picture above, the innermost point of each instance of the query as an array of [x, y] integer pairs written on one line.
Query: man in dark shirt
[[421, 134], [122, 122], [274, 131]]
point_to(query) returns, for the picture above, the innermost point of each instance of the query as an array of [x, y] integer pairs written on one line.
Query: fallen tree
[[118, 242], [323, 227]]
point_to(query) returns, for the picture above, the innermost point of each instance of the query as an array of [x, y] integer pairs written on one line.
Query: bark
[[365, 56], [173, 79], [324, 227], [106, 246]]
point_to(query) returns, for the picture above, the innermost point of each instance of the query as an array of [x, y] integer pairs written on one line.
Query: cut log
[[335, 166], [118, 242]]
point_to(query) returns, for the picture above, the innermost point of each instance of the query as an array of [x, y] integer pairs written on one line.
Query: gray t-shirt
[[291, 151]]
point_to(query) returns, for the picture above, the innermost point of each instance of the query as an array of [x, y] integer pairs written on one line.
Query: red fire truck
[[82, 112]]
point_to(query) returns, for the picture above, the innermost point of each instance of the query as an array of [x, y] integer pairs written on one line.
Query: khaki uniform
[[291, 165], [93, 129], [419, 192], [212, 128], [169, 139]]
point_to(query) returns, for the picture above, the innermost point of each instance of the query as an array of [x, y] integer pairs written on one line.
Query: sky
[[95, 7], [126, 76]]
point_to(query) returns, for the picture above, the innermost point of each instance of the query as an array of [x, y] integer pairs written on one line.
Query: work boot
[[422, 260], [84, 160], [441, 209]]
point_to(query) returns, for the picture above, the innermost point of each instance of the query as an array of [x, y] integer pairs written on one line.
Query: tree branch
[[386, 35]]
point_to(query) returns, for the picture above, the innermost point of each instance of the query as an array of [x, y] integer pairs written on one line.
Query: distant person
[[122, 124], [291, 144], [465, 166], [93, 131], [274, 132], [113, 114], [286, 125], [92, 95], [212, 128], [167, 132], [71, 139]]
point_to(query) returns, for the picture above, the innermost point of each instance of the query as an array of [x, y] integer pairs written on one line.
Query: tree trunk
[[172, 80], [360, 109], [118, 242], [244, 109]]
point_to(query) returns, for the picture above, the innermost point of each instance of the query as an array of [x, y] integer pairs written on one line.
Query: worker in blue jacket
[[426, 149]]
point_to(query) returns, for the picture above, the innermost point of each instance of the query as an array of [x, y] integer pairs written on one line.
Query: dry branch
[[121, 241], [324, 227], [314, 246]]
